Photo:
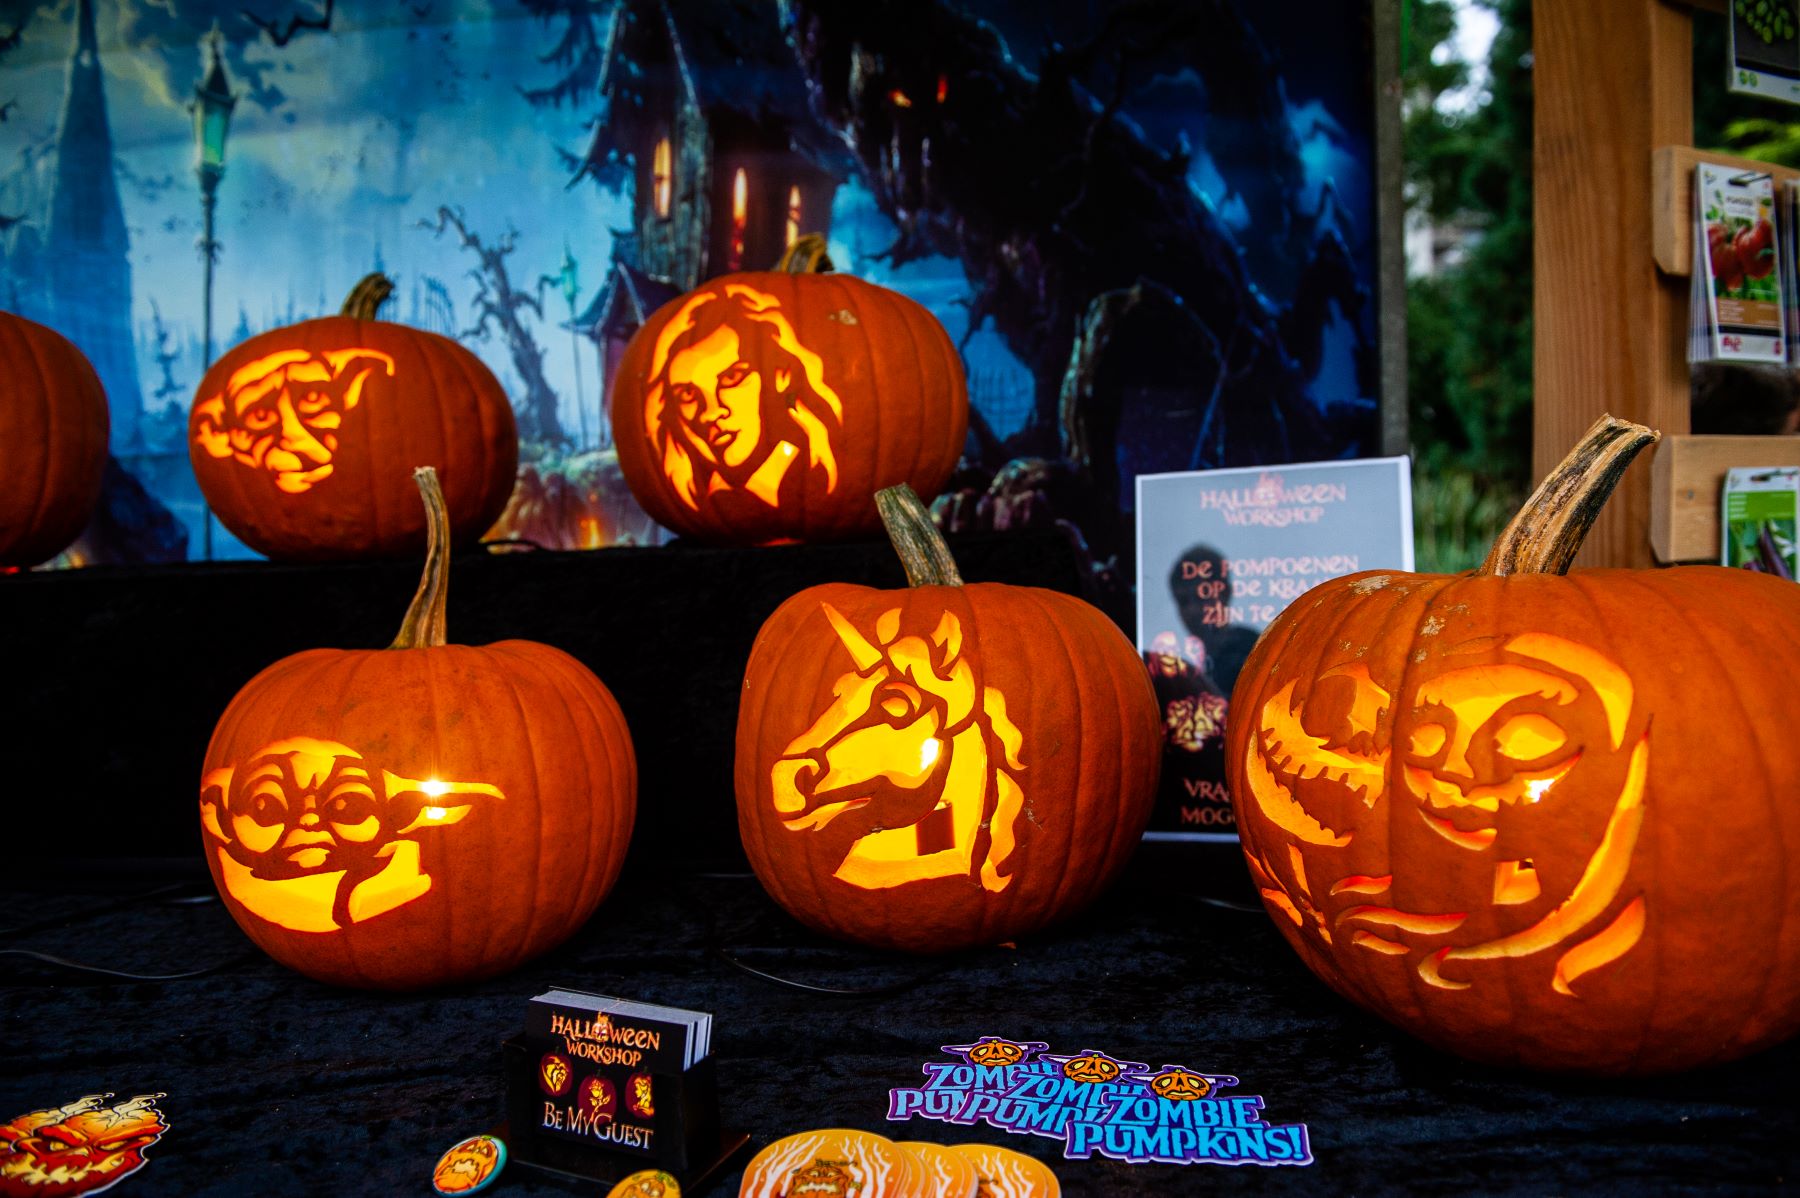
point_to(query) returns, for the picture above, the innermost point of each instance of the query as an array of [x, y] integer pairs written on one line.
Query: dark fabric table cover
[[279, 1086]]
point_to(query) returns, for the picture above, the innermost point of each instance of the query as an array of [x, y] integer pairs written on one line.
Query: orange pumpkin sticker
[[87, 1146], [947, 1174], [909, 721], [735, 401], [284, 412], [469, 1166], [311, 837], [1004, 1173], [1472, 747], [647, 1183], [832, 1163]]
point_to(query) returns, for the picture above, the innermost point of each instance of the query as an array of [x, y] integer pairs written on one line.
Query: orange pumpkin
[[1534, 817], [53, 427], [945, 765], [302, 438], [421, 814], [771, 406]]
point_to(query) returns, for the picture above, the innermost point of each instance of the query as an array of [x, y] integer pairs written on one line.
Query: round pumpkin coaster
[[854, 1162], [947, 1174], [647, 1183], [1008, 1174], [470, 1166]]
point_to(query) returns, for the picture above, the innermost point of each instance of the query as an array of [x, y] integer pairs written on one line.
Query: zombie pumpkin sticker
[[470, 1166], [313, 838], [910, 730], [89, 1145], [285, 412], [1468, 760], [736, 403]]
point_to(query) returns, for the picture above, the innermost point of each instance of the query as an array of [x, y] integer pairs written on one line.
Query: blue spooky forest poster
[[1149, 225]]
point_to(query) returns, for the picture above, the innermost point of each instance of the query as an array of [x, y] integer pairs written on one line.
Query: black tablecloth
[[276, 1085]]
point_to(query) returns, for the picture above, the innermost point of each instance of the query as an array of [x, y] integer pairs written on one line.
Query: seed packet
[[1757, 511], [1738, 315]]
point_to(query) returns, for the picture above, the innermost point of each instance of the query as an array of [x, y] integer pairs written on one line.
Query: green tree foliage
[[1469, 338]]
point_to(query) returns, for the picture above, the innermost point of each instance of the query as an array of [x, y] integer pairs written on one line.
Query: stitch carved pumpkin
[[53, 429], [1534, 817], [772, 406], [945, 765], [303, 438], [426, 813]]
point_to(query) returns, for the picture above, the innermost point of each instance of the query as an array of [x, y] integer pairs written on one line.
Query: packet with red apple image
[[1738, 310]]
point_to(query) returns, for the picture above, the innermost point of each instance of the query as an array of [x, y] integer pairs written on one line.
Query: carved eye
[[313, 402], [736, 373], [1529, 736], [259, 418], [899, 702], [688, 396], [350, 809], [1428, 740], [262, 816]]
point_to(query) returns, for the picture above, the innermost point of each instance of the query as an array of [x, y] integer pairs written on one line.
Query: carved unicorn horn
[[865, 655]]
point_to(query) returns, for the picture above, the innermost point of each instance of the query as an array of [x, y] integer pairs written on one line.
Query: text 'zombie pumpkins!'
[[772, 406], [945, 765], [303, 438], [1535, 817], [421, 814]]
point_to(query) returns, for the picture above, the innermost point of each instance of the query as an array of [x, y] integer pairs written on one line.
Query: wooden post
[[1612, 82]]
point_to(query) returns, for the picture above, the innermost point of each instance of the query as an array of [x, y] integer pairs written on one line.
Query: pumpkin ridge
[[1095, 649], [1760, 1008], [527, 734], [851, 298], [1060, 899], [895, 312], [582, 730], [40, 493]]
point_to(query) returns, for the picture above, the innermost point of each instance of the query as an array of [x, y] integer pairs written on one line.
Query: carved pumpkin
[[945, 765], [421, 814], [53, 425], [771, 406], [1536, 818], [302, 438]]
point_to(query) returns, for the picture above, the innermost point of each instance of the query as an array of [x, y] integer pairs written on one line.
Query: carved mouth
[[1524, 788]]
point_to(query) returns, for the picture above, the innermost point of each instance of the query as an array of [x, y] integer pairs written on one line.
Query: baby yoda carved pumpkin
[[1534, 818], [772, 406], [302, 438], [404, 817], [942, 766]]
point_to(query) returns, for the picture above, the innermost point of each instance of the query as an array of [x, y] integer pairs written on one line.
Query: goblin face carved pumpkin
[[1534, 819], [404, 817], [942, 766], [772, 406], [304, 438], [53, 427]]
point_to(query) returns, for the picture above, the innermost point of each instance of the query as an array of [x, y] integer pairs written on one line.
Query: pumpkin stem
[[806, 256], [1544, 536], [366, 298], [916, 538], [423, 627]]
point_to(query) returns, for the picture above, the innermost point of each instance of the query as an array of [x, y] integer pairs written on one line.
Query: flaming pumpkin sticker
[[313, 838], [910, 721], [284, 412], [89, 1145], [735, 400]]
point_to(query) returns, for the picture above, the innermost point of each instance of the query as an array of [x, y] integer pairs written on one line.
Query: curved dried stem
[[424, 626], [806, 256], [916, 539], [1545, 535], [366, 298]]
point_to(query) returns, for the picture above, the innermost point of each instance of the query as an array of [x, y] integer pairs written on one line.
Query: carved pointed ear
[[865, 655], [948, 638], [213, 791]]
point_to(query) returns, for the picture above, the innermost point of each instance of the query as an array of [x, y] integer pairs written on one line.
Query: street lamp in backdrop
[[211, 106]]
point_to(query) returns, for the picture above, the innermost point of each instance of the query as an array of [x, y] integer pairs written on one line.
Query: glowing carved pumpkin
[[772, 406], [419, 814], [53, 430], [1536, 819], [303, 438], [942, 766]]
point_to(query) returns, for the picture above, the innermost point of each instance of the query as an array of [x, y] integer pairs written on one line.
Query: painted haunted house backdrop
[[1148, 224]]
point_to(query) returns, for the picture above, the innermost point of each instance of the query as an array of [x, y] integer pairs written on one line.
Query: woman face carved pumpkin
[[735, 401]]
